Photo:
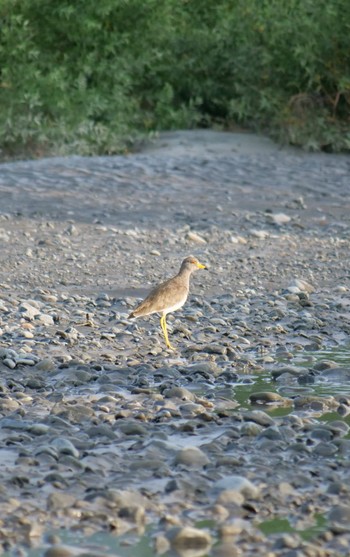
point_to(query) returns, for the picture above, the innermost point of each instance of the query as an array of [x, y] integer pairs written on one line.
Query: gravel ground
[[101, 427]]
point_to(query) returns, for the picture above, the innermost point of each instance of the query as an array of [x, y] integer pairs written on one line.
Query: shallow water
[[104, 543]]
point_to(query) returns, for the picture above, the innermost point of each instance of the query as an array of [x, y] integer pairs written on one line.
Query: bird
[[169, 295]]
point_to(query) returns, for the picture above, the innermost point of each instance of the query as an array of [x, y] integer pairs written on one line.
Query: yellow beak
[[200, 266]]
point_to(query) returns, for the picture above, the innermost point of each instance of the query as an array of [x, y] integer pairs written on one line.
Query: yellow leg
[[164, 329]]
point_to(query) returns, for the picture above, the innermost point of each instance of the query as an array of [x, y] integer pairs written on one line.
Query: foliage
[[89, 77]]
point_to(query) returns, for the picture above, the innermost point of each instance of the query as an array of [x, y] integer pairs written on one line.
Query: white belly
[[175, 307]]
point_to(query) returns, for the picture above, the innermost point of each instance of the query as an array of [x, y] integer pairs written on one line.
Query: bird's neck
[[185, 274]]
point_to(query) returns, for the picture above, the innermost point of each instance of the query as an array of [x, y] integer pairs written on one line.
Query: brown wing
[[168, 294]]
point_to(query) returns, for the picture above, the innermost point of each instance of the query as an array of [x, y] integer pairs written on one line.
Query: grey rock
[[45, 319], [65, 446], [130, 427], [191, 457], [8, 362], [29, 310], [268, 397], [325, 449], [258, 416], [235, 484], [251, 429], [179, 392], [60, 500], [183, 538], [339, 517], [45, 365], [336, 374]]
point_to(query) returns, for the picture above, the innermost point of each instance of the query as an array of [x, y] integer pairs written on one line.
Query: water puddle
[[104, 544], [283, 526]]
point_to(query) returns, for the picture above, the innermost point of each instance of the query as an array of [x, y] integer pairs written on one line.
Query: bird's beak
[[200, 266]]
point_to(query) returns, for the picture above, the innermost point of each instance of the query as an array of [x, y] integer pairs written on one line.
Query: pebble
[[196, 238], [230, 486], [65, 446], [339, 517], [9, 363], [278, 218], [45, 364], [268, 397], [187, 537], [179, 392], [259, 417], [59, 500], [192, 457]]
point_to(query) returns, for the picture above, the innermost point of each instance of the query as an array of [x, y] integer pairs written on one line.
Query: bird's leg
[[164, 329]]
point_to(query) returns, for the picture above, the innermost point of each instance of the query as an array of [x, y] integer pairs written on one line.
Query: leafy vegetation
[[92, 77]]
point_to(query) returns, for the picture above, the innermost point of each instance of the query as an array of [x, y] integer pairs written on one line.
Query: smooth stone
[[325, 449], [251, 429], [65, 446], [45, 319], [179, 392], [321, 433], [194, 237], [8, 405], [47, 451], [324, 364], [343, 410], [101, 430], [25, 362], [303, 285], [35, 383], [235, 484], [187, 537], [337, 374], [190, 409], [258, 416], [8, 362], [39, 429], [339, 517], [45, 365], [74, 414], [338, 427], [215, 349], [205, 367], [268, 397], [192, 457], [60, 500], [260, 234], [29, 310], [272, 433], [234, 527], [278, 218], [131, 427], [8, 353]]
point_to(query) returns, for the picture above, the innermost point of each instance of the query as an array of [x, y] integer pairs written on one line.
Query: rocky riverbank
[[102, 428]]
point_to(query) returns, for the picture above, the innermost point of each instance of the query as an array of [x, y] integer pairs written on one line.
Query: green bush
[[91, 77]]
